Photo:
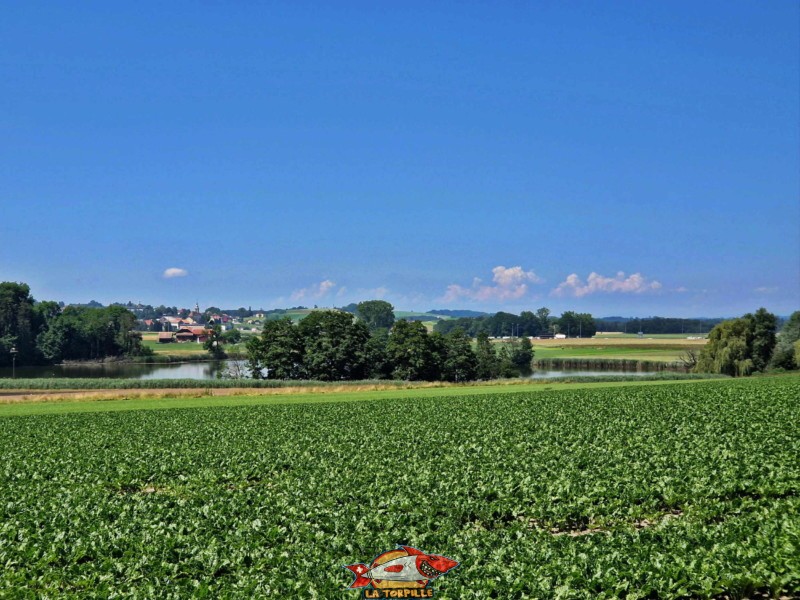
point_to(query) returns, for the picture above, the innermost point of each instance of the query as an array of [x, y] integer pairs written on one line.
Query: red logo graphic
[[401, 573]]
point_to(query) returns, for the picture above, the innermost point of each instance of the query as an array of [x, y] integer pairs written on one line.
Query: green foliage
[[522, 356], [232, 336], [20, 323], [641, 492], [378, 361], [334, 346], [41, 332], [213, 343], [488, 364], [501, 324], [277, 353], [739, 347], [460, 362], [377, 314], [414, 354], [81, 333], [784, 356], [577, 324]]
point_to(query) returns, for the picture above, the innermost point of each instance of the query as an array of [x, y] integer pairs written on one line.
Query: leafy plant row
[[663, 491]]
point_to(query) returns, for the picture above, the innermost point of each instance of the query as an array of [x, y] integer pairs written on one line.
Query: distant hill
[[456, 314]]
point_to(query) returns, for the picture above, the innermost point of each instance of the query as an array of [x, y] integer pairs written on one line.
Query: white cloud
[[633, 284], [314, 292], [174, 272], [508, 284], [766, 290], [378, 293]]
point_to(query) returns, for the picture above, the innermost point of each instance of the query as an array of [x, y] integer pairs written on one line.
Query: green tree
[[277, 353], [19, 323], [529, 324], [460, 362], [783, 357], [414, 355], [522, 356], [379, 364], [213, 343], [334, 346], [740, 346], [543, 317], [764, 325], [232, 336], [488, 364], [506, 365], [377, 314], [577, 324], [82, 333]]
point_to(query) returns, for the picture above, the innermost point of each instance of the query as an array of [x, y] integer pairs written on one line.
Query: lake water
[[205, 370], [190, 370]]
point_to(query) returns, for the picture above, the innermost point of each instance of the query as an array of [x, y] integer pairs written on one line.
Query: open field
[[649, 336], [65, 400], [174, 348], [671, 490], [617, 347]]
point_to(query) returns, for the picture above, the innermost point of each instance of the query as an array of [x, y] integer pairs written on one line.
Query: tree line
[[332, 345], [46, 333], [527, 324], [657, 325], [751, 344]]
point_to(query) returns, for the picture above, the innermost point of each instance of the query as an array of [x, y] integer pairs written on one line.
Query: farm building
[[192, 334], [165, 338]]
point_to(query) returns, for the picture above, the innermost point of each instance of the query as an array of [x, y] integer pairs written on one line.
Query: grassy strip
[[202, 398]]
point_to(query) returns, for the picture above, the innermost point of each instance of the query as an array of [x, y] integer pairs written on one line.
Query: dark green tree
[[488, 363], [414, 355], [213, 343], [379, 365], [232, 336], [82, 333], [543, 317], [460, 362], [334, 346], [521, 356], [19, 323], [764, 326], [277, 353], [783, 357], [577, 324], [740, 346], [377, 314]]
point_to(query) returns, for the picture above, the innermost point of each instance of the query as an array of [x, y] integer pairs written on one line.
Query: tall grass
[[609, 364]]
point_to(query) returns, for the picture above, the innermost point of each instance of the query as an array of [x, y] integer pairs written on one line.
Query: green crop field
[[174, 347], [664, 353], [673, 490]]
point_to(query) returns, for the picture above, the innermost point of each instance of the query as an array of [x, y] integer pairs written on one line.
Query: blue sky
[[617, 158]]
